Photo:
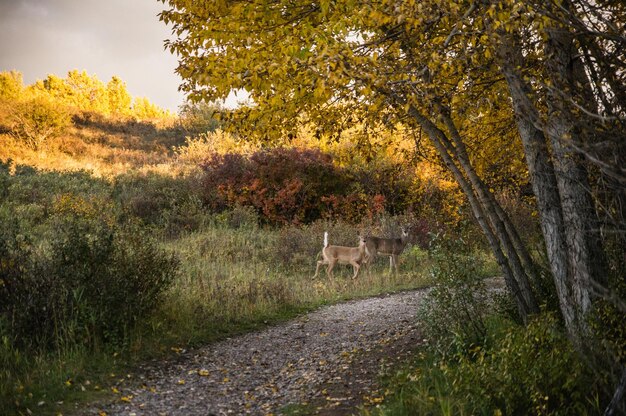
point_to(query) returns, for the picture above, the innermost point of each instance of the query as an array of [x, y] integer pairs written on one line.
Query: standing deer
[[391, 247], [332, 255]]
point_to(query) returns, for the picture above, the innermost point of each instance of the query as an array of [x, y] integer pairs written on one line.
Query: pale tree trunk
[[585, 252], [559, 200]]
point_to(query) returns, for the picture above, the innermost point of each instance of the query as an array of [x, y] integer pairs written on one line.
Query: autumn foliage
[[288, 185]]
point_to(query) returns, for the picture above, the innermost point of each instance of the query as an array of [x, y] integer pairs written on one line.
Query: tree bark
[[546, 189], [586, 257], [438, 138], [500, 222]]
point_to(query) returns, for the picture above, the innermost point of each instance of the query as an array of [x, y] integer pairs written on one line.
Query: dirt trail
[[326, 362]]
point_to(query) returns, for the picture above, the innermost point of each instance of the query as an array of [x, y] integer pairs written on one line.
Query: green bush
[[198, 118], [238, 217], [29, 196], [530, 370], [87, 285], [38, 119], [28, 185], [171, 204], [453, 312]]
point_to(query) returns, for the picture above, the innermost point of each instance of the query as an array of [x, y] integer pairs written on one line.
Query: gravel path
[[326, 362]]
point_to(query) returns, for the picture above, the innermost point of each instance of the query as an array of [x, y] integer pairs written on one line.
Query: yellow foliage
[[143, 109], [196, 149]]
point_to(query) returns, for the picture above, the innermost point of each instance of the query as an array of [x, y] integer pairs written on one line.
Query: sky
[[103, 37]]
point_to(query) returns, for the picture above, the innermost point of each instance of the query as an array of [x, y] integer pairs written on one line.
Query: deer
[[391, 247], [332, 255]]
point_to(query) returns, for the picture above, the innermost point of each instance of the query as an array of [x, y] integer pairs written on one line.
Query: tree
[[143, 109], [566, 104], [429, 65], [36, 120], [78, 90], [118, 96], [11, 85]]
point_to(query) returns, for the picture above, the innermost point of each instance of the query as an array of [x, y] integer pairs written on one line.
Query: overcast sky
[[103, 37]]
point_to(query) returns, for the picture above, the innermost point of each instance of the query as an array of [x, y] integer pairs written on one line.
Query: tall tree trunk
[[570, 84], [438, 139], [545, 187], [499, 220]]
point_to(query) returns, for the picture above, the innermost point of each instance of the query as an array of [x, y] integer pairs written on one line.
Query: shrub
[[238, 217], [453, 312], [524, 370], [531, 370], [143, 109], [389, 183], [31, 194], [197, 149], [287, 186], [38, 119], [200, 117], [90, 283], [170, 203], [11, 85], [283, 185]]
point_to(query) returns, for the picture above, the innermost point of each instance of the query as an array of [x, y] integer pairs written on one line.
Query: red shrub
[[290, 185]]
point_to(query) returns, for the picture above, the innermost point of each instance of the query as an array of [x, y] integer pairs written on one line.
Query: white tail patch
[[325, 238]]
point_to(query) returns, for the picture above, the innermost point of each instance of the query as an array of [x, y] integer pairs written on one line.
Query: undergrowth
[[476, 359]]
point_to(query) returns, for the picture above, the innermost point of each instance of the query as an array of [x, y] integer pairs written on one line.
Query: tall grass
[[235, 278]]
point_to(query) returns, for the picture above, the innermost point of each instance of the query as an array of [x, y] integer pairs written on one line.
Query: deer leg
[[395, 263], [356, 266], [329, 270], [317, 269]]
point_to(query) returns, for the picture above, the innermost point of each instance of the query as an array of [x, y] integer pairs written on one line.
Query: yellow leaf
[[181, 381]]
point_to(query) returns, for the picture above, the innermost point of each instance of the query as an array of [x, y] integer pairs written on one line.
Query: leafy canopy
[[325, 59]]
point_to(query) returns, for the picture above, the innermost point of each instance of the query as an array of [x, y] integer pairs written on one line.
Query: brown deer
[[391, 247], [332, 255]]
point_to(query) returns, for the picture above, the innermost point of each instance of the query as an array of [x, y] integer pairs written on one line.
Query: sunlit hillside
[[79, 122]]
